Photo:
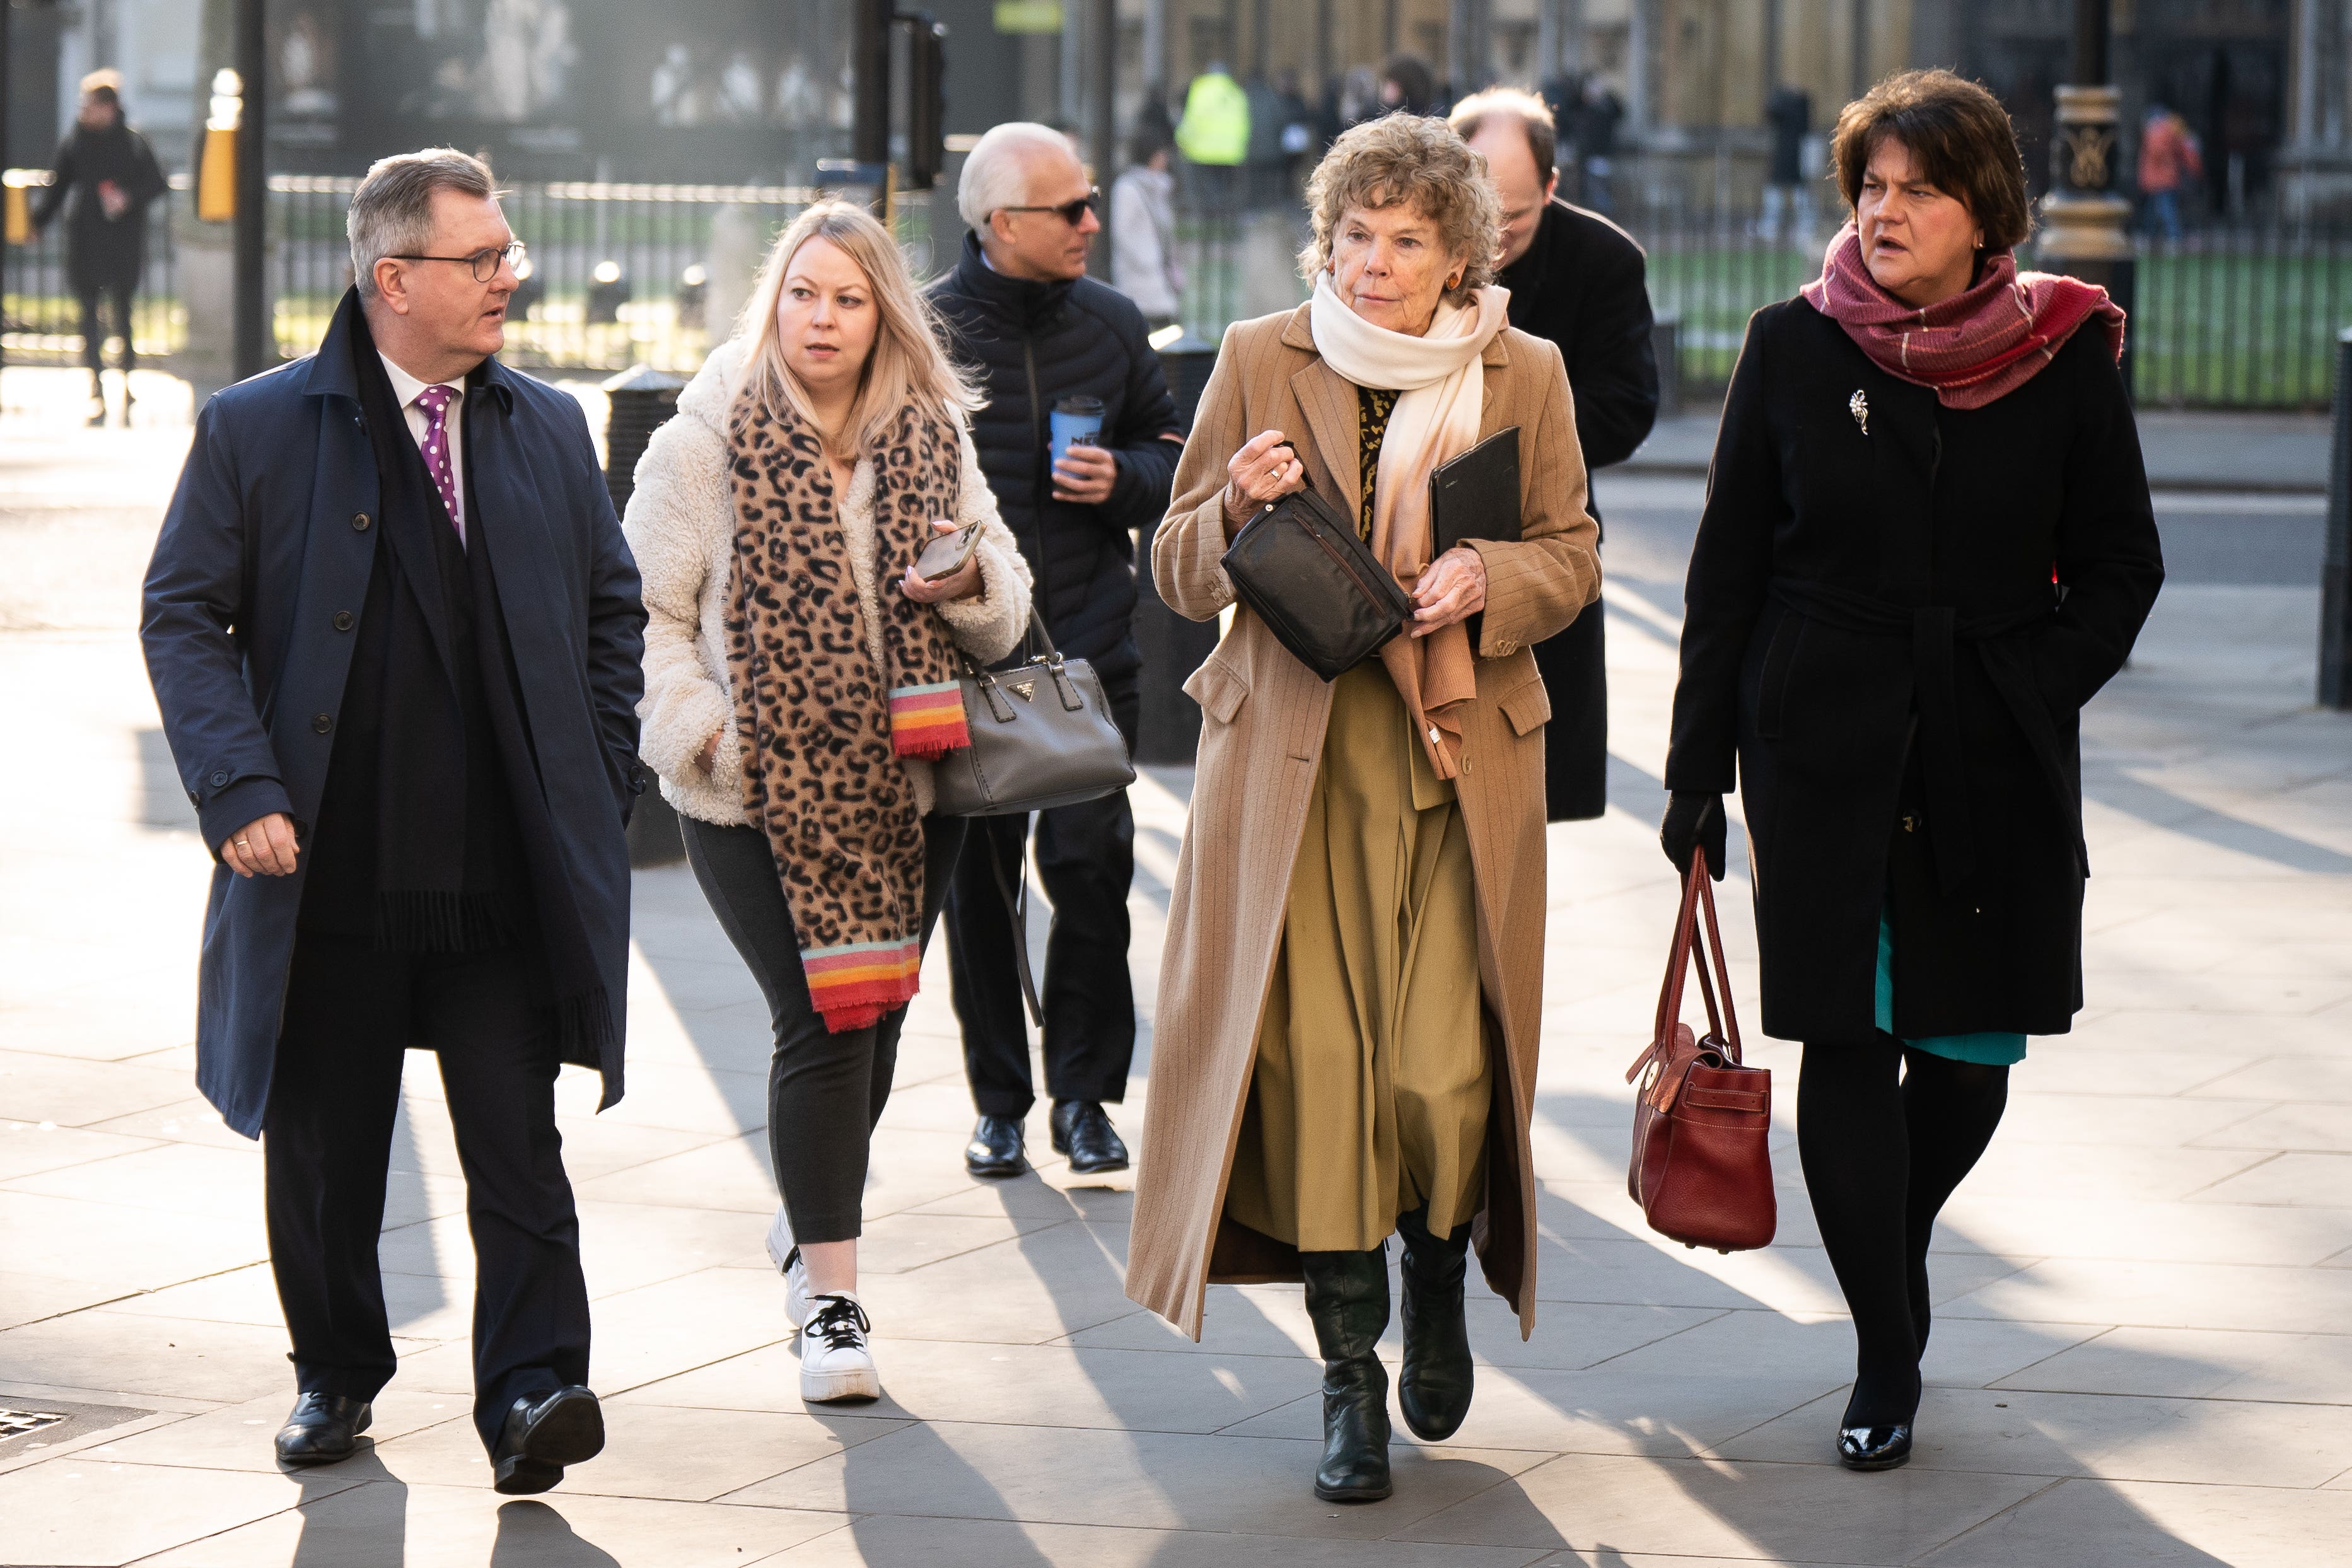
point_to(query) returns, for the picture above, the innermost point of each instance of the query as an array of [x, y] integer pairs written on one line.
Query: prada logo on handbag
[[1024, 690]]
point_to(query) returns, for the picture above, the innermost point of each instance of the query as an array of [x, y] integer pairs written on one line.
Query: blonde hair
[[907, 363], [1416, 162]]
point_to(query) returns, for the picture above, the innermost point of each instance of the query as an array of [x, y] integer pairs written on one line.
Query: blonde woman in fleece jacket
[[800, 683]]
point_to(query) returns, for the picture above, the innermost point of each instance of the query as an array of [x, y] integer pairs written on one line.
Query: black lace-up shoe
[[995, 1148], [544, 1434], [1082, 1130], [324, 1427]]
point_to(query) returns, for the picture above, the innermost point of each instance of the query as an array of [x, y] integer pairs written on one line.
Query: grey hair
[[997, 172], [392, 211]]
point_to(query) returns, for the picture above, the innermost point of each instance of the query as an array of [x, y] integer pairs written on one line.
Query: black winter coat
[[1872, 628], [265, 557], [1035, 343], [1582, 285], [101, 251]]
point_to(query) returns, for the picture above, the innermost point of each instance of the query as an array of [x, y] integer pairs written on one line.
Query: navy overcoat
[[252, 599]]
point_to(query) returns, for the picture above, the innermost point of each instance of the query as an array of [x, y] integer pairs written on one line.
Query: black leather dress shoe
[[1082, 1130], [544, 1434], [995, 1148], [324, 1427], [1874, 1448]]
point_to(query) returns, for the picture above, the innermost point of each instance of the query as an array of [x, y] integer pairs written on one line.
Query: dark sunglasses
[[1072, 213]]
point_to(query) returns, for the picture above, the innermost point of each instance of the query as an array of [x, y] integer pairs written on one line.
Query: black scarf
[[466, 856]]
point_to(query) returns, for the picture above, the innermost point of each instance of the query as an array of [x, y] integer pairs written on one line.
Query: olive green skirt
[[1372, 1084]]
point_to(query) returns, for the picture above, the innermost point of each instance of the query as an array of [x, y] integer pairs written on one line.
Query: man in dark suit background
[[395, 638], [1577, 280]]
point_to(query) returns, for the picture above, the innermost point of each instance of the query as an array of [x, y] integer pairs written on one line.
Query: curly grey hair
[[1405, 158]]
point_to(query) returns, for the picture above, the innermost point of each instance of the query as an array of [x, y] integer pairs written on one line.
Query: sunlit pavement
[[2140, 1355]]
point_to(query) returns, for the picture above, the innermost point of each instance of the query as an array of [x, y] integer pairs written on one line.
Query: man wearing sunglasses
[[394, 635], [1041, 333]]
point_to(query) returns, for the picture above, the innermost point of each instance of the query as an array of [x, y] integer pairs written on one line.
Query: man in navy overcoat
[[394, 634]]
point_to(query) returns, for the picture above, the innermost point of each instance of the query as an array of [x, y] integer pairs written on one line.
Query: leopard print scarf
[[821, 776]]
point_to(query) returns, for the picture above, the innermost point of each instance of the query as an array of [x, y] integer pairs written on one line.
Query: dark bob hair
[[1960, 137]]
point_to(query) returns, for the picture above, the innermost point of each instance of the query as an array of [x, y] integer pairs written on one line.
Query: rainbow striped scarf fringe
[[852, 985], [927, 721]]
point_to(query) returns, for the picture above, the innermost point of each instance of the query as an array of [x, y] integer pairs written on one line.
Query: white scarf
[[1442, 379]]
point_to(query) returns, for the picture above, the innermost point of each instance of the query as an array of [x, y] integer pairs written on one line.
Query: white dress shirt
[[405, 387]]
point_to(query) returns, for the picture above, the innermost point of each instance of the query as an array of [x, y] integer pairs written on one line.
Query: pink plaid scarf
[[1987, 340]]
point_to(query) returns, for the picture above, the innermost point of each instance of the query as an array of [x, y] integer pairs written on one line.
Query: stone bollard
[[1665, 343], [642, 400]]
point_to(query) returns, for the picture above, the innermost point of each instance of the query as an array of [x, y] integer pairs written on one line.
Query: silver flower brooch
[[1858, 405]]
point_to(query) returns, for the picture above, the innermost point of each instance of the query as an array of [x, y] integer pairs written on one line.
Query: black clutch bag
[[1476, 495], [1317, 587]]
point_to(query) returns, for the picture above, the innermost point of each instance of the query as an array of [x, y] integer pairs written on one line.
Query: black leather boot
[[1434, 1386], [1348, 1300]]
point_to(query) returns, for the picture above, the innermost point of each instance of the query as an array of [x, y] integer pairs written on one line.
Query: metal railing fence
[[41, 315], [617, 274]]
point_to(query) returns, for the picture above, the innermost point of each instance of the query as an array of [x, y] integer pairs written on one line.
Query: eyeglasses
[[484, 263], [1071, 213]]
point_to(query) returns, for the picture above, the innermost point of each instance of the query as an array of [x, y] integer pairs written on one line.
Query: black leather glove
[[1693, 820]]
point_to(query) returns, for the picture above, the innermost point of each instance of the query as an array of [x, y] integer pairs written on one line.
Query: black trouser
[[825, 1090], [116, 292], [327, 1140], [1085, 858]]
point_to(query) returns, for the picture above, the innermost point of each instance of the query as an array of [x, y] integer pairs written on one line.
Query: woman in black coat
[[1927, 543], [106, 175]]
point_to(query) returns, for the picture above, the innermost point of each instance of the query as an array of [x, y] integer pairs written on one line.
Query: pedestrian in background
[[1788, 183], [1577, 281], [1143, 265], [2168, 159], [395, 637], [1345, 1046], [105, 176], [1873, 639], [1596, 120], [1051, 346], [833, 409]]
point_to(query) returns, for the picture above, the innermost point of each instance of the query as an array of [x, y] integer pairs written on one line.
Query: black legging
[[116, 298], [825, 1090], [1886, 1132]]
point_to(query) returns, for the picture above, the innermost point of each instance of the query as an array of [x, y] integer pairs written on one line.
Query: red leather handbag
[[1702, 1163]]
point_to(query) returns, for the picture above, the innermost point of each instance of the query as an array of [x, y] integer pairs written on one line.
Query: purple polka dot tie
[[434, 400]]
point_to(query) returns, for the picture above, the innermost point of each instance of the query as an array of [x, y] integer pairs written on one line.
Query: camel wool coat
[[1261, 742]]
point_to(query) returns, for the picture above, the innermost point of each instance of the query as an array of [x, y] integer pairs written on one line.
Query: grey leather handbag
[[1042, 737]]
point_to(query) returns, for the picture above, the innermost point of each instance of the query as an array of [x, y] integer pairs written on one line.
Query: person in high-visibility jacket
[[1216, 123]]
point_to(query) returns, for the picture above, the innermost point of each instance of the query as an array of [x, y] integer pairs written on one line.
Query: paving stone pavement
[[2141, 1351]]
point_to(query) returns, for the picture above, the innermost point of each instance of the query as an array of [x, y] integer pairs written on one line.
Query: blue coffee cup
[[1075, 420]]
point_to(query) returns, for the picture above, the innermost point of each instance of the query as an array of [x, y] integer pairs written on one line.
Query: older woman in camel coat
[[1401, 214]]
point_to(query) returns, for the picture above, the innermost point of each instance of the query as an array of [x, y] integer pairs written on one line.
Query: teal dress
[[1987, 1048]]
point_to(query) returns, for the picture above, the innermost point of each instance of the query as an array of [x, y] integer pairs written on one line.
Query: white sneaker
[[835, 1360], [787, 1257]]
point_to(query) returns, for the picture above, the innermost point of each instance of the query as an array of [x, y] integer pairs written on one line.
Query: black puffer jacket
[[1035, 343]]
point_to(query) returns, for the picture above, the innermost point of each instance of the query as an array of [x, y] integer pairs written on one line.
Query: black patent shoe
[[323, 1428], [1082, 1131], [995, 1148], [544, 1434], [1874, 1448], [1434, 1385], [1348, 1303]]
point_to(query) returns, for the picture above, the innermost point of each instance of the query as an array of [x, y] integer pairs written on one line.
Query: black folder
[[1476, 495]]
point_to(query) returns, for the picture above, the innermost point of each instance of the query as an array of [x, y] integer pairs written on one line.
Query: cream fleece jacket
[[681, 528]]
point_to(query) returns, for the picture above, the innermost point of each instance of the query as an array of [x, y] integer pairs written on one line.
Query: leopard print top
[[1373, 407]]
